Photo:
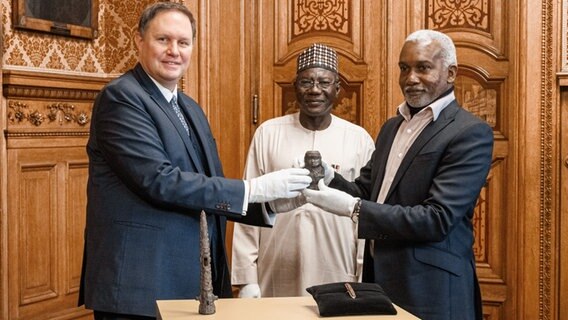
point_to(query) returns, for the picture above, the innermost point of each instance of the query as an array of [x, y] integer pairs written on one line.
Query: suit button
[[223, 206]]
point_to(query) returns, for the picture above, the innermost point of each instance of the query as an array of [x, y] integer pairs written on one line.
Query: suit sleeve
[[133, 135]]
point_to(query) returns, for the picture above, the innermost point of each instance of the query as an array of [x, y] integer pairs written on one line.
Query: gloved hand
[[298, 162], [329, 172], [285, 205], [251, 290], [285, 183], [331, 200]]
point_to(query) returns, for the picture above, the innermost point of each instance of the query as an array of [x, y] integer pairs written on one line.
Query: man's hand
[[285, 183], [251, 290], [331, 200]]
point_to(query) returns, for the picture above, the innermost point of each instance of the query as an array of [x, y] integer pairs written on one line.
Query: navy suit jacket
[[146, 189], [423, 235]]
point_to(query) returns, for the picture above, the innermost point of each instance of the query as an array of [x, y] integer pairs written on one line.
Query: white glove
[[331, 200], [251, 290], [298, 162], [329, 172], [285, 183], [285, 205]]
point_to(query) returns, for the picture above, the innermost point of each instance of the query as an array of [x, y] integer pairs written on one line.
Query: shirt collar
[[165, 91], [435, 107]]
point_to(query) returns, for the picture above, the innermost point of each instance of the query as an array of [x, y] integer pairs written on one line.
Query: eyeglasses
[[309, 83]]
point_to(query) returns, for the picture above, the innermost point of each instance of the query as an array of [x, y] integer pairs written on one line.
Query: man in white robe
[[306, 246]]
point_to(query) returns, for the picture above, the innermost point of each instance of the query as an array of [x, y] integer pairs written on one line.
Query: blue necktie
[[180, 116], [190, 133]]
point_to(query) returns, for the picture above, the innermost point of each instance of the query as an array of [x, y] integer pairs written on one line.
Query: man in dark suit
[[415, 198], [153, 167]]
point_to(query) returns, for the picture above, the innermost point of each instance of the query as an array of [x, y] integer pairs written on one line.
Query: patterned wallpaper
[[112, 52]]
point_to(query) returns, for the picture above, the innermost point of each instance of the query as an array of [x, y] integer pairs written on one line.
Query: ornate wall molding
[[298, 22], [60, 113], [317, 15], [49, 93], [546, 162], [48, 104], [479, 24], [46, 134], [470, 14]]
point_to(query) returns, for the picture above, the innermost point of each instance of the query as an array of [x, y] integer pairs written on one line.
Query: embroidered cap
[[317, 56]]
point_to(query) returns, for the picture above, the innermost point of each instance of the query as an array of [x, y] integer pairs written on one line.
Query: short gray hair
[[448, 52]]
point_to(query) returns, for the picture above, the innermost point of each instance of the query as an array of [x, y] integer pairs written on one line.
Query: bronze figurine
[[312, 162]]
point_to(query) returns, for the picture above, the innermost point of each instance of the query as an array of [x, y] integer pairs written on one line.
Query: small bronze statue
[[312, 162], [206, 298]]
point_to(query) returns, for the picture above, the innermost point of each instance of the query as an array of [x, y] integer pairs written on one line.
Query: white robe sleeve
[[246, 239]]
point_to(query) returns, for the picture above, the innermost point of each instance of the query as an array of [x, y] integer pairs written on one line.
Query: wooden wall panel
[[44, 259], [75, 219], [32, 235], [47, 118]]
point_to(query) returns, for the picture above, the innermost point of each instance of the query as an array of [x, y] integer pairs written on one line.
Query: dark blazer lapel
[[200, 131], [433, 128], [380, 162], [161, 102]]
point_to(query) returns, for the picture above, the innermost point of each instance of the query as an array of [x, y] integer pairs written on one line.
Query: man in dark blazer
[[416, 197], [153, 167]]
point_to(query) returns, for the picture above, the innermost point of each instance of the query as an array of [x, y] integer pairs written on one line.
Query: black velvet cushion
[[333, 299]]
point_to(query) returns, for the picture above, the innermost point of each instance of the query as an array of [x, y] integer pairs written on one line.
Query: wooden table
[[293, 308]]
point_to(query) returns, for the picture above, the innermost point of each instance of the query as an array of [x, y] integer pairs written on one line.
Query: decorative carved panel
[[59, 113], [41, 103], [481, 95], [478, 98], [480, 226], [299, 23], [489, 225], [479, 24], [448, 14], [321, 16]]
